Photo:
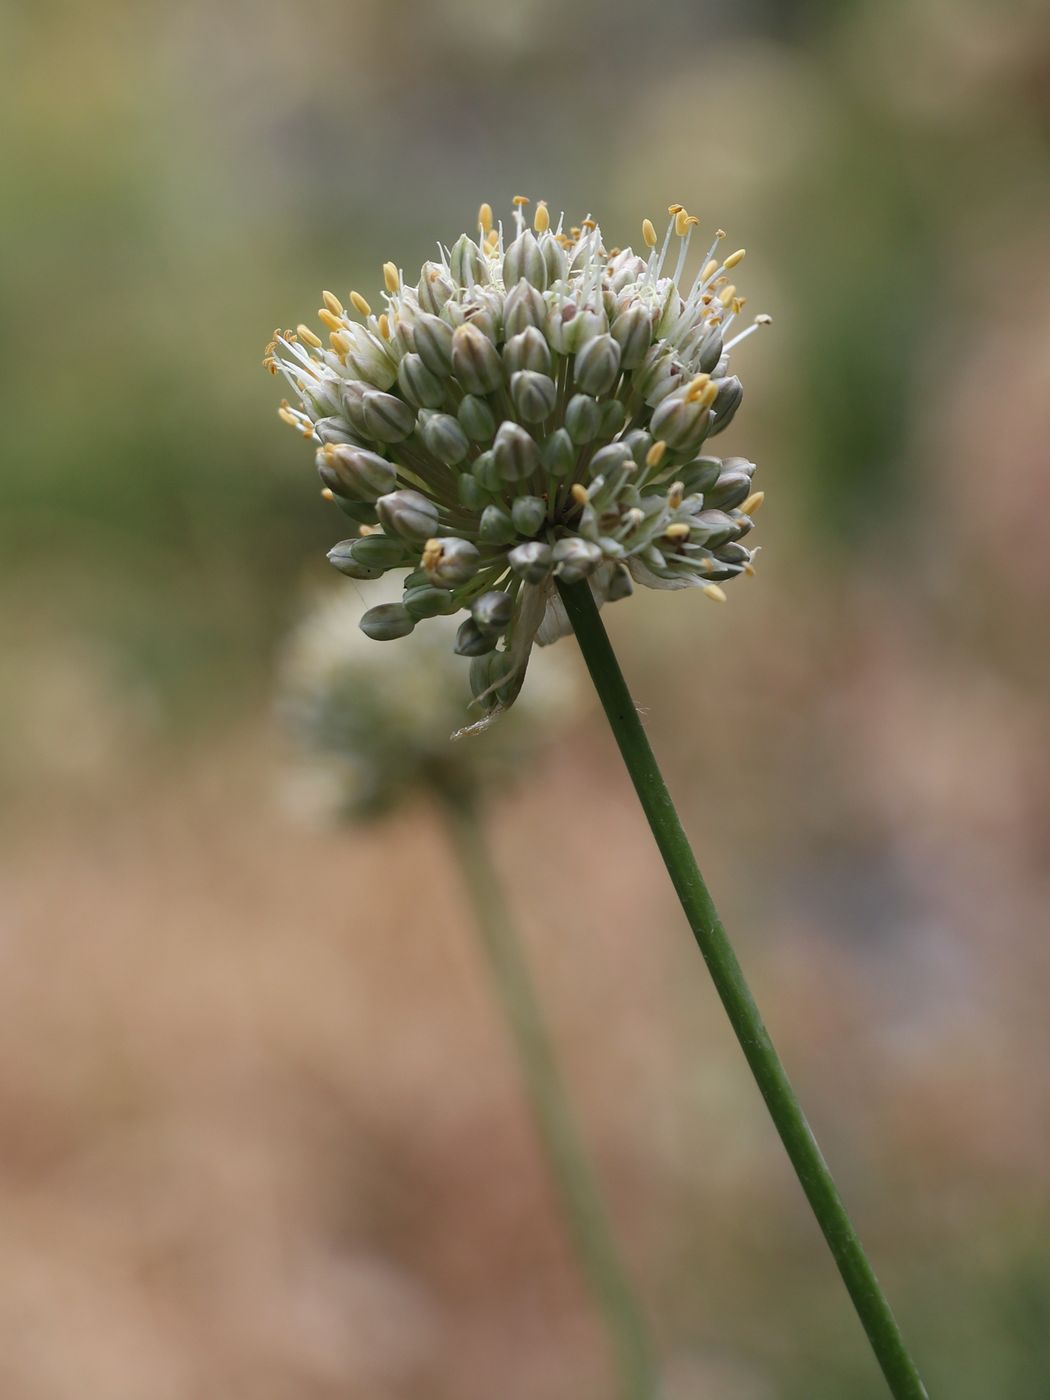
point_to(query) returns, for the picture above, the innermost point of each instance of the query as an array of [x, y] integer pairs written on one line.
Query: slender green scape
[[580, 1197], [784, 1108]]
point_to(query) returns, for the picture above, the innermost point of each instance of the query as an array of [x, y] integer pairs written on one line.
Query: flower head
[[535, 407], [372, 724]]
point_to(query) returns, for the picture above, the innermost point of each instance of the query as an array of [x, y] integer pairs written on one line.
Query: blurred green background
[[261, 1133]]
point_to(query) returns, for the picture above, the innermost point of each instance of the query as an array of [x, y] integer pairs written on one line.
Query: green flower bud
[[364, 512], [353, 396], [575, 558], [444, 437], [638, 443], [387, 622], [408, 514], [733, 553], [515, 452], [387, 419], [379, 551], [334, 430], [528, 514], [476, 419], [371, 364], [633, 332], [434, 288], [709, 351], [568, 328], [610, 459], [466, 264], [533, 395], [559, 453], [486, 472], [492, 612], [555, 258], [426, 601], [582, 419], [496, 526], [450, 561], [523, 259], [597, 365], [471, 641], [527, 350], [711, 528], [699, 475], [420, 386], [612, 415], [524, 307], [355, 472], [621, 585], [340, 556], [680, 422], [469, 491], [475, 360], [433, 340], [660, 375], [531, 561], [730, 490], [730, 393]]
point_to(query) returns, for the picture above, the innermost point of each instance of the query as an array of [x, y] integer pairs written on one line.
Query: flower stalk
[[578, 1191], [806, 1158]]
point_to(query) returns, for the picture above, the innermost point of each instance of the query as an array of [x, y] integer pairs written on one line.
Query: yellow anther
[[433, 553], [519, 200], [359, 304], [287, 416], [712, 591], [485, 218], [679, 530], [340, 342], [655, 455], [330, 319], [390, 277], [752, 503], [649, 233], [541, 220], [305, 333], [674, 496], [384, 326], [579, 494], [708, 396], [720, 233], [492, 240], [726, 295], [734, 258], [327, 494], [696, 387], [763, 320], [590, 225], [738, 305], [692, 220], [709, 270], [681, 223], [332, 302], [749, 570], [675, 208]]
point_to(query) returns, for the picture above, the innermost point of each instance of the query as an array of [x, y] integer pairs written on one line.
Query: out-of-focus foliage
[[857, 739]]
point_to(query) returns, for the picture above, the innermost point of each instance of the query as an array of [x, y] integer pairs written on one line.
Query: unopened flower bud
[[486, 472], [379, 551], [729, 490], [612, 415], [582, 419], [531, 561], [496, 526], [524, 259], [700, 475], [633, 332], [409, 514], [444, 437], [575, 558], [533, 395], [387, 419], [433, 339], [554, 257], [730, 393], [420, 386], [527, 350], [524, 307], [466, 264], [450, 561], [427, 601], [355, 472], [341, 557], [528, 514], [680, 422], [621, 585], [475, 360], [469, 491], [597, 365], [515, 452], [492, 612], [476, 419], [434, 288], [712, 528], [471, 641], [387, 622], [335, 430]]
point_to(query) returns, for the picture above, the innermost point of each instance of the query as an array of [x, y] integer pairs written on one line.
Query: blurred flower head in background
[[532, 409], [373, 725]]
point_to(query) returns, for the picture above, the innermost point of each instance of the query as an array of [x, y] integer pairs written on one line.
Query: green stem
[[581, 1201], [795, 1133]]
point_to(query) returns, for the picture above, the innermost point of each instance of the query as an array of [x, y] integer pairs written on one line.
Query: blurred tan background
[[260, 1133]]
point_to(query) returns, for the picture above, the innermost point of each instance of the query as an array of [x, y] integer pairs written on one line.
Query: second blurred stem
[[585, 1215]]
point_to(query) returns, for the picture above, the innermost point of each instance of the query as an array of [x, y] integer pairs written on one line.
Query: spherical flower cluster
[[370, 725], [534, 408]]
